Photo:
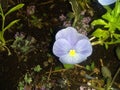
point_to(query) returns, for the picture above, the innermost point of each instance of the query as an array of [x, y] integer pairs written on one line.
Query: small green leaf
[[37, 68], [88, 67], [116, 10], [15, 8], [68, 66], [106, 72], [98, 22], [27, 79], [70, 15], [10, 24], [102, 34], [92, 66], [107, 16], [58, 68], [21, 85], [108, 8]]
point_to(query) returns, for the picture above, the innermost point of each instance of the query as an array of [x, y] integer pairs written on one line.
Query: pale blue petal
[[83, 47], [81, 36], [61, 47], [67, 59], [69, 33], [106, 2]]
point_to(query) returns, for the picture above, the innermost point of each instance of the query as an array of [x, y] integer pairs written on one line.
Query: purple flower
[[67, 23], [30, 10], [71, 47], [62, 17]]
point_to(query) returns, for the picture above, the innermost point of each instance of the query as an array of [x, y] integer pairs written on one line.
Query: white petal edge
[[67, 59]]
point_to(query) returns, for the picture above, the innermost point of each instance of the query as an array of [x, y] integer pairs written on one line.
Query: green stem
[[92, 38], [96, 43], [74, 23], [3, 24], [3, 18], [115, 76], [9, 53]]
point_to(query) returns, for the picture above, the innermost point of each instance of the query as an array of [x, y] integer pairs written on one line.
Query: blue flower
[[71, 47], [106, 2]]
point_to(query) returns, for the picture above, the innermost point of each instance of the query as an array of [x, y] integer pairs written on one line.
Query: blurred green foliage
[[23, 45], [78, 7], [4, 28], [108, 27], [91, 67]]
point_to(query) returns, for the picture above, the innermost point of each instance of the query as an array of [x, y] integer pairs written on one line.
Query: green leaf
[[116, 36], [108, 8], [98, 22], [116, 25], [58, 68], [10, 24], [111, 25], [101, 34], [15, 8], [68, 66], [21, 85], [107, 16], [37, 68], [70, 15], [116, 10], [92, 66], [113, 42], [27, 79], [88, 67], [106, 72], [1, 37], [118, 52]]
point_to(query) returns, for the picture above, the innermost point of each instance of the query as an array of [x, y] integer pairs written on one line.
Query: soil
[[11, 69]]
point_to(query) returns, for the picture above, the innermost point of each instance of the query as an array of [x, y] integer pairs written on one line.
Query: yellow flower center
[[72, 52]]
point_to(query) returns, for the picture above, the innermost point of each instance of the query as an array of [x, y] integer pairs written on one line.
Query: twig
[[49, 73], [48, 2], [101, 62], [61, 70], [92, 38], [96, 43], [115, 77], [77, 65]]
